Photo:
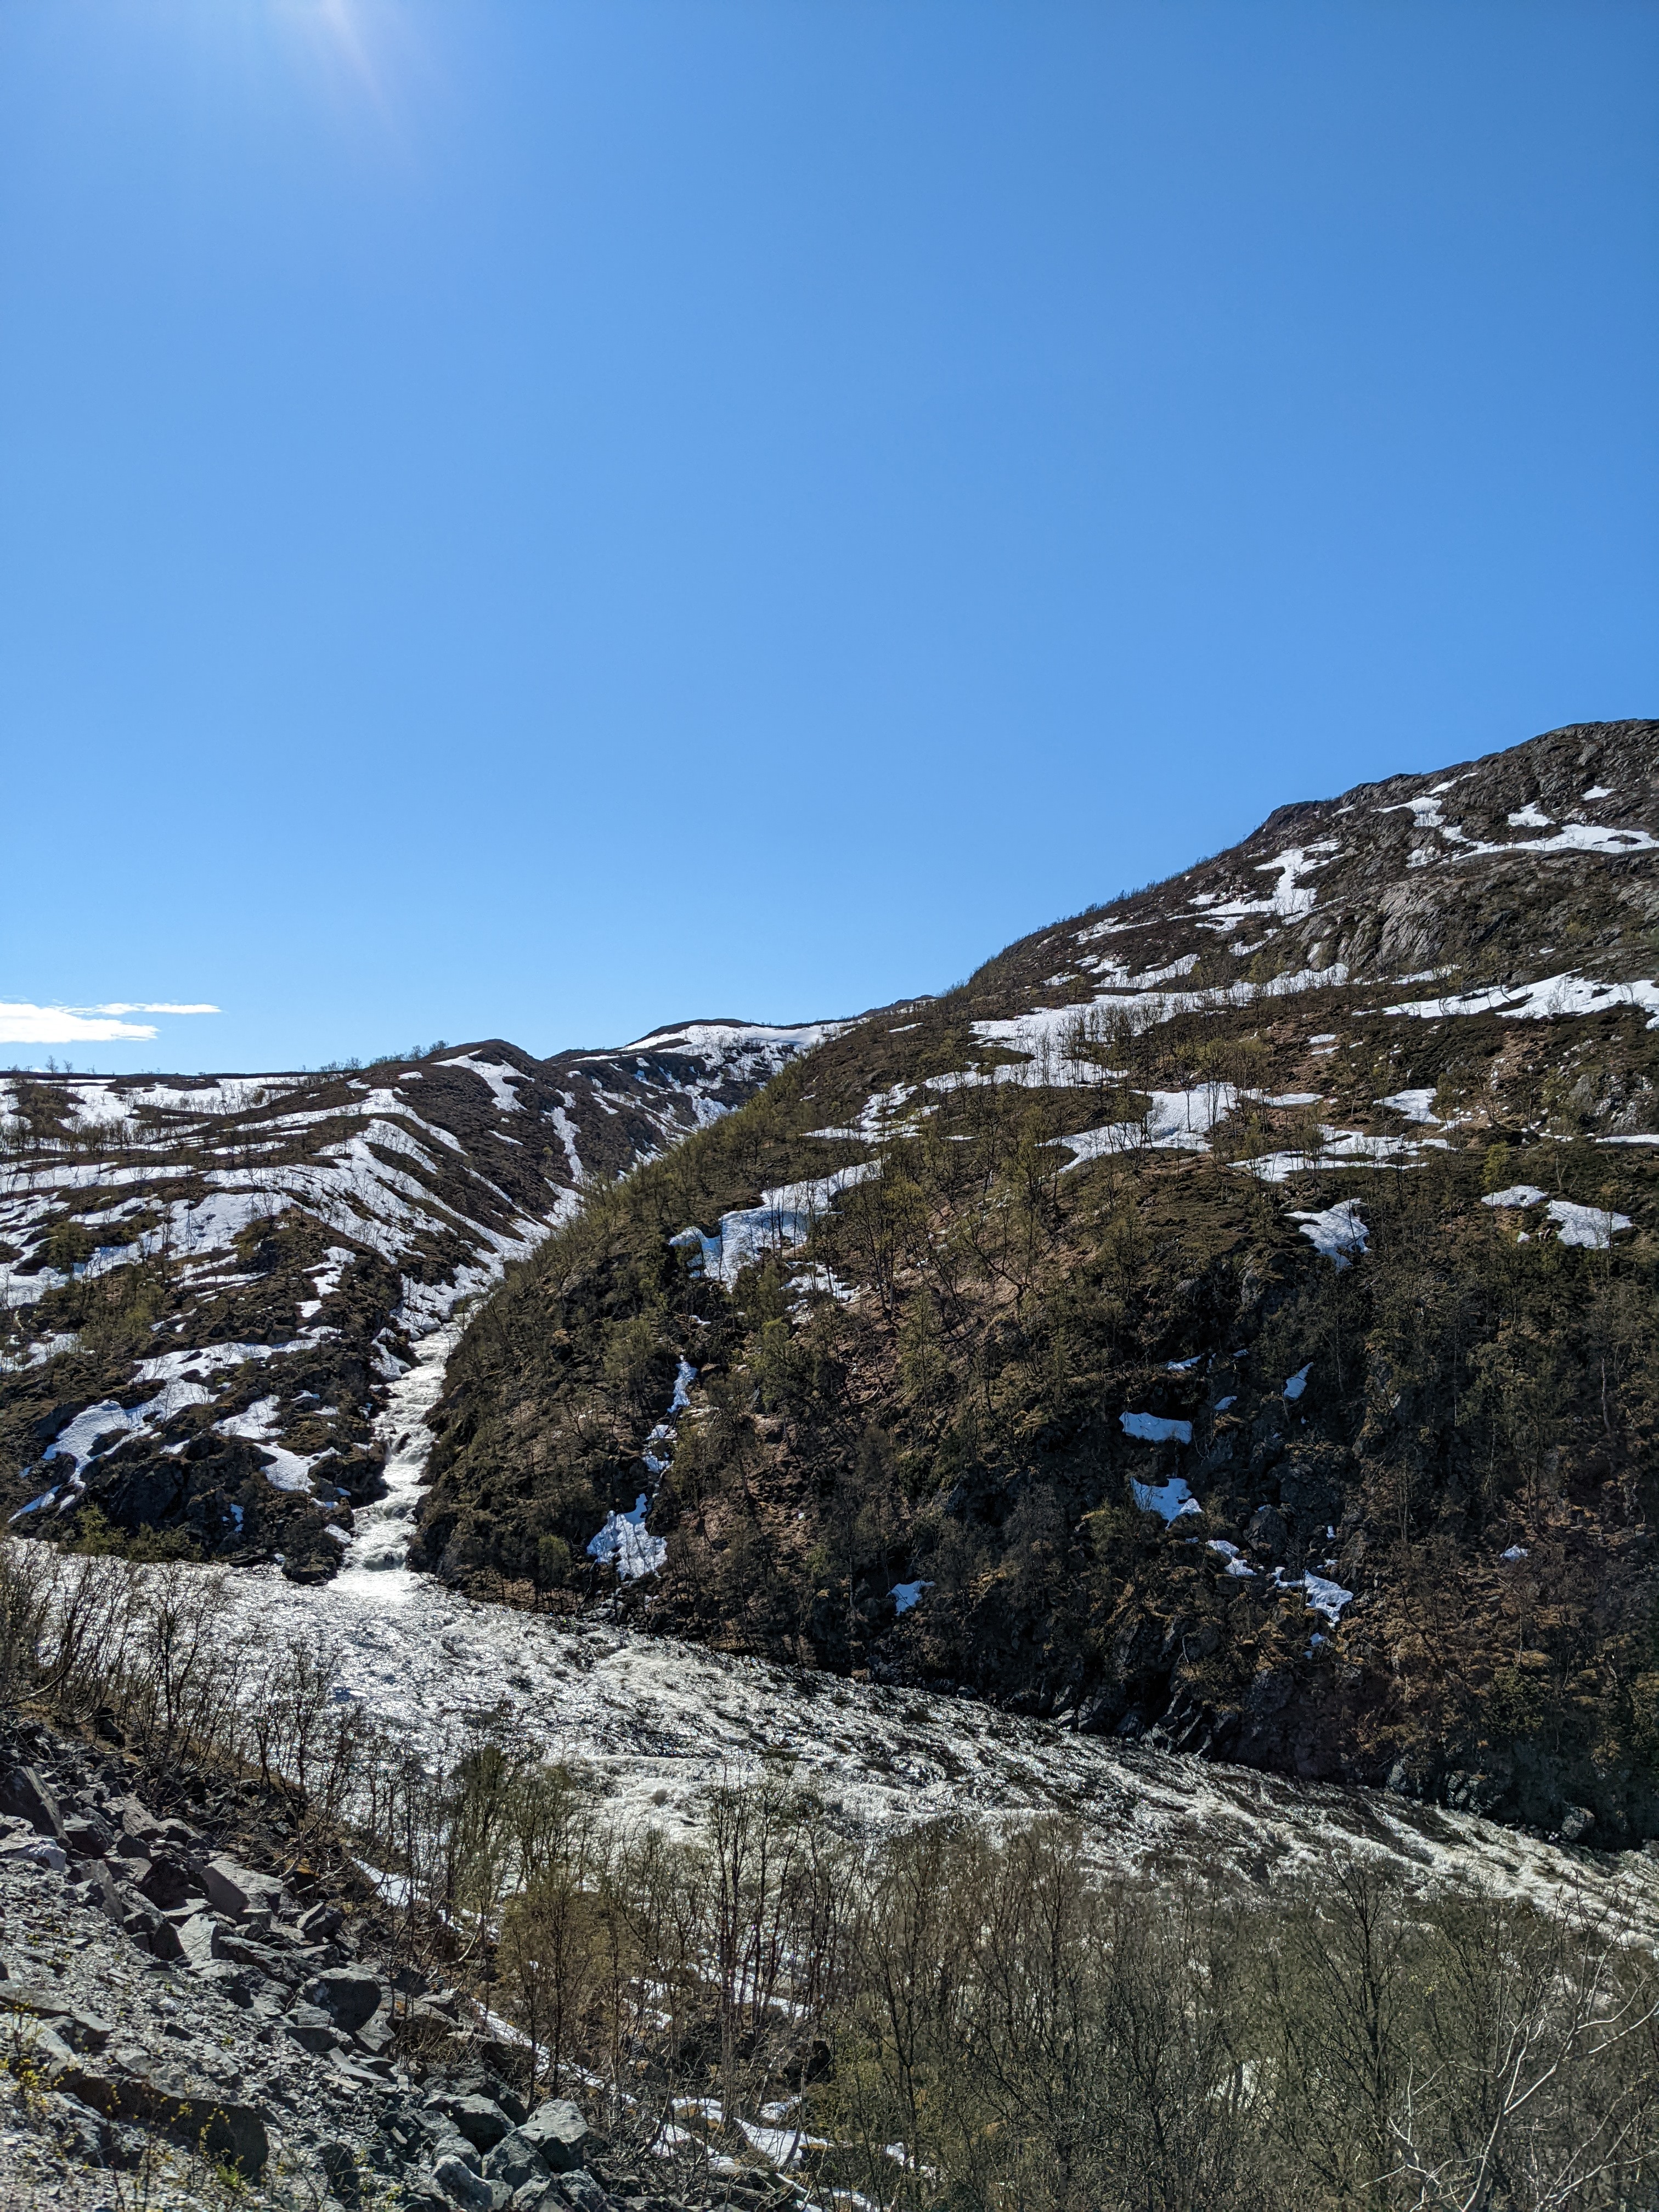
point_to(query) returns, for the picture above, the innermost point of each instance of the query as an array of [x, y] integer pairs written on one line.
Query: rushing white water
[[373, 1565]]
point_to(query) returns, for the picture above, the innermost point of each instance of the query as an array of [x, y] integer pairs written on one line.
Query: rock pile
[[168, 2009]]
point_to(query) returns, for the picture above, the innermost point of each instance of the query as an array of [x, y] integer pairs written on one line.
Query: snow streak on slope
[[320, 1221]]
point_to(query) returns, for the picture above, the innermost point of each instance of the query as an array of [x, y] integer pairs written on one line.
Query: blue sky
[[542, 518]]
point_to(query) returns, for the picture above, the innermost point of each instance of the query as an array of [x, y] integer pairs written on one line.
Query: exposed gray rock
[[350, 1995], [516, 2160], [86, 1836], [462, 2187], [167, 1879], [236, 1890], [575, 2189], [312, 2027], [319, 1923], [480, 2119], [198, 1939], [558, 2135], [25, 1794], [224, 2130]]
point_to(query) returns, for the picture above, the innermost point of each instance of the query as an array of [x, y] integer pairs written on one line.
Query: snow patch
[[1338, 1232], [623, 1543], [1551, 999], [1415, 1105], [1153, 1429], [1170, 1501], [500, 1079]]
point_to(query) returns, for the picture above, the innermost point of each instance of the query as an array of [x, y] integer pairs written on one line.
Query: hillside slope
[[1226, 1321], [208, 1284]]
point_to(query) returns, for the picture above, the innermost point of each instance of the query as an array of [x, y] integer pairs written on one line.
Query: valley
[[1158, 1440]]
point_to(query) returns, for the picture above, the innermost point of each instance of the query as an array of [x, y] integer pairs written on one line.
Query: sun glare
[[350, 38]]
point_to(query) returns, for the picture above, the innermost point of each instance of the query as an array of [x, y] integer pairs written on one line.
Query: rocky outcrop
[[167, 2012]]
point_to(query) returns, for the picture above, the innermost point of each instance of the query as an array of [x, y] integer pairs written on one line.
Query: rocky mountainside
[[207, 1285], [1225, 1322]]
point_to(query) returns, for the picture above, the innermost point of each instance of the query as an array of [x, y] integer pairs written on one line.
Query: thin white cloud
[[23, 1023]]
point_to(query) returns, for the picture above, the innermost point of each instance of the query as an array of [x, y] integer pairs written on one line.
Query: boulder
[[462, 2187], [137, 1820], [81, 2030], [515, 2160], [240, 1983], [351, 1995], [578, 2190], [264, 1958], [86, 1837], [310, 2027], [25, 1795], [140, 1919], [35, 1851], [223, 2130], [558, 2135], [81, 2134], [166, 1880], [480, 2119], [198, 1939], [235, 1890]]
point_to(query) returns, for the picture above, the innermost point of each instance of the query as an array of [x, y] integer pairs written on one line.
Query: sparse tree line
[[955, 2016]]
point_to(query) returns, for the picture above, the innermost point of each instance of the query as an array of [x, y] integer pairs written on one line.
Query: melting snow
[[1415, 1105], [1548, 1000], [906, 1594], [1153, 1429], [258, 1425], [1170, 1501], [500, 1079], [1326, 1597], [1594, 1227], [623, 1543], [1298, 1381], [1338, 1232], [782, 1220]]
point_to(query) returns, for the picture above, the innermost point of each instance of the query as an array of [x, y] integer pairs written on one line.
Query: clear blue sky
[[541, 518]]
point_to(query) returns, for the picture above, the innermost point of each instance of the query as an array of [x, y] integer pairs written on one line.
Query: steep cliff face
[[208, 1285], [1226, 1321]]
